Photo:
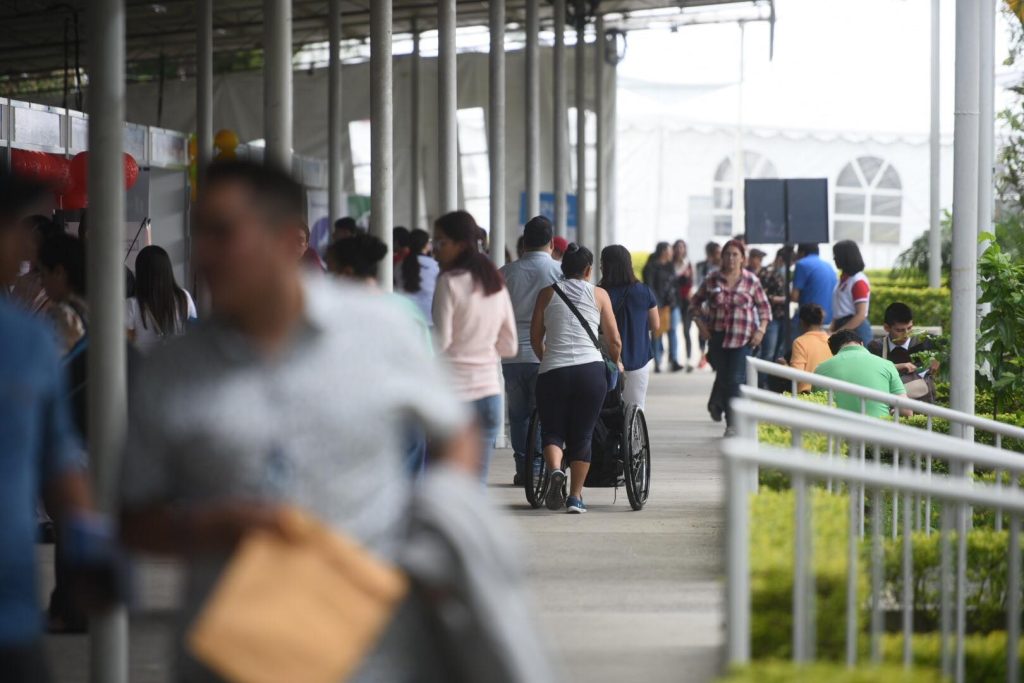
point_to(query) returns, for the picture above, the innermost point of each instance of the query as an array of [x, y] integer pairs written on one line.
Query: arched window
[[754, 166], [869, 201]]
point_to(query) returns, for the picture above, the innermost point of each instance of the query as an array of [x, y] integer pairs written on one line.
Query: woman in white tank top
[[571, 383]]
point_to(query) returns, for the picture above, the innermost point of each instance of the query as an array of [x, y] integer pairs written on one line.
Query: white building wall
[[666, 174]]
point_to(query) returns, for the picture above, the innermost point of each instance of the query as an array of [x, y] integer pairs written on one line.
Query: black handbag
[[611, 369]]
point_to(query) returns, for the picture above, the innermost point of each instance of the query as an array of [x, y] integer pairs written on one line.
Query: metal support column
[[532, 110], [414, 133], [611, 141], [986, 117], [277, 82], [935, 157], [107, 390], [561, 147], [496, 130], [381, 132], [599, 177], [965, 212], [334, 115], [204, 83], [584, 234], [447, 102]]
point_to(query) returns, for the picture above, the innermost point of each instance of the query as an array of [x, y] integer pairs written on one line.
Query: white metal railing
[[999, 430], [744, 455], [961, 424], [920, 447]]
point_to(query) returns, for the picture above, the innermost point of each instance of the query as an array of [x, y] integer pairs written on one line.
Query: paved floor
[[624, 596]]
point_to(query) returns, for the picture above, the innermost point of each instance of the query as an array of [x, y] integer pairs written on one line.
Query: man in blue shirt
[[39, 451], [524, 279], [814, 281]]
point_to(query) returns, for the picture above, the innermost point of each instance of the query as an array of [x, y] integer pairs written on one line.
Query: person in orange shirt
[[810, 349]]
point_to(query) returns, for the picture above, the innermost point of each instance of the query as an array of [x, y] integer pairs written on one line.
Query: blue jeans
[[520, 392], [658, 343], [730, 374], [769, 350], [488, 419], [415, 451]]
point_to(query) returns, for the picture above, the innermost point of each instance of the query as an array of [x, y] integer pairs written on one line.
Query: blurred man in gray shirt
[[524, 279]]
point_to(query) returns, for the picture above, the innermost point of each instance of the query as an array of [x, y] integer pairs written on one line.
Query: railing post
[[876, 576], [737, 560], [802, 581], [852, 557]]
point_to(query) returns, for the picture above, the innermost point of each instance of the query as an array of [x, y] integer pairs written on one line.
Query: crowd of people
[[319, 391]]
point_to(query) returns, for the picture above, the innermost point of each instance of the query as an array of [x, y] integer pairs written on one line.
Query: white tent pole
[[965, 210], [987, 116], [739, 163], [935, 156], [334, 115], [277, 82], [107, 388], [584, 235], [414, 130], [561, 152], [496, 130], [599, 95], [532, 110], [447, 100], [381, 133]]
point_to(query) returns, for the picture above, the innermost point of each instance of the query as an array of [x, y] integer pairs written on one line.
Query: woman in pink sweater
[[474, 323]]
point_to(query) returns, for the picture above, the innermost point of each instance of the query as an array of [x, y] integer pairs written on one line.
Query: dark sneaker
[[716, 413], [554, 496], [575, 506]]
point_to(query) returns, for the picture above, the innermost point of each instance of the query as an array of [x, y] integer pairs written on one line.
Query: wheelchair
[[620, 454]]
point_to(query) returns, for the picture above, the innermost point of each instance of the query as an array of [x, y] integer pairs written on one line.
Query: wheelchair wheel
[[535, 471], [636, 449]]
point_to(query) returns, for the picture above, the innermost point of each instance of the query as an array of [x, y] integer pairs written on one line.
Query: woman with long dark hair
[[660, 275], [474, 323], [418, 272], [572, 380], [160, 308], [852, 296], [636, 314], [733, 315]]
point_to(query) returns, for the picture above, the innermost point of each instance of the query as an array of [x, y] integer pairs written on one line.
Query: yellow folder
[[302, 609]]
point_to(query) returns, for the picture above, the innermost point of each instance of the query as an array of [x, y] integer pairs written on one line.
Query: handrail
[[745, 454], [940, 486], [785, 372], [899, 436]]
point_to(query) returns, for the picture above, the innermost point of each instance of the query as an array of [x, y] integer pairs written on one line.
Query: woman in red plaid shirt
[[732, 312]]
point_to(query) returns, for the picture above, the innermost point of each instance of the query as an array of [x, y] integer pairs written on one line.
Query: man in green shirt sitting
[[855, 364]]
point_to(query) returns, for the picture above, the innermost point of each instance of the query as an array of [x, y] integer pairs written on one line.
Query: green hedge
[[987, 553], [787, 672], [984, 655], [932, 307], [771, 561]]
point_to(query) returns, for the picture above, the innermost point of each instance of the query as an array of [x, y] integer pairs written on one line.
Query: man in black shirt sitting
[[899, 346]]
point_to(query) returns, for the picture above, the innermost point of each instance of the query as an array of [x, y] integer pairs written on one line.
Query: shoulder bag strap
[[579, 316]]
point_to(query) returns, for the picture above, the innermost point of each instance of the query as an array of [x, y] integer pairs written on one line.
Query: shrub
[[984, 655], [932, 307], [987, 552], [788, 672], [771, 561]]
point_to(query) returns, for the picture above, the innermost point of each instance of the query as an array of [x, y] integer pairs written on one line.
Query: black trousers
[[569, 403], [23, 663]]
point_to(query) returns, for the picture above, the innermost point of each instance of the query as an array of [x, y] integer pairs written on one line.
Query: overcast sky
[[838, 64]]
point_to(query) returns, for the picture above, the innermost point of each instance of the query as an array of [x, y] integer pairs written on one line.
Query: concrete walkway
[[637, 596], [624, 596]]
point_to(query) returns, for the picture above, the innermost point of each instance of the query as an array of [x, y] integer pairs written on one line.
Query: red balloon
[[58, 172], [131, 171], [75, 198], [79, 166], [27, 163]]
